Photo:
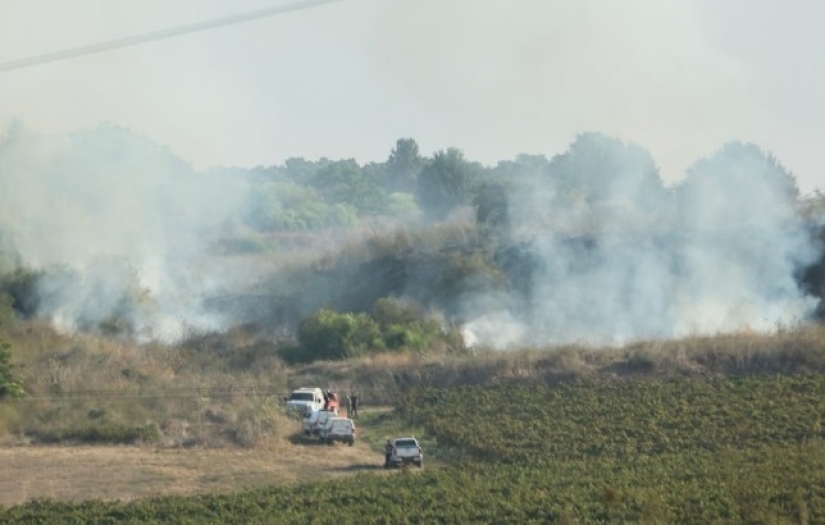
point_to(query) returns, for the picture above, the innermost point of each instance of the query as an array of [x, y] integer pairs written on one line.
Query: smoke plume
[[619, 257], [120, 227]]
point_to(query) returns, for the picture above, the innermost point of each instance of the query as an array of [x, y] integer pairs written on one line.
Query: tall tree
[[403, 166], [344, 182], [738, 185], [492, 208], [600, 168], [444, 183]]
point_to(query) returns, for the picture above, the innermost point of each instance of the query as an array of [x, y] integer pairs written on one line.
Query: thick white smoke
[[126, 231], [122, 227], [619, 257]]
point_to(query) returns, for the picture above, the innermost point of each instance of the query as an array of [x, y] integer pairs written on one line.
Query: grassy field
[[747, 449], [107, 472]]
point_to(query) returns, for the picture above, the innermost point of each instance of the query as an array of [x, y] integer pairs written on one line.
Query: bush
[[403, 325], [21, 286], [105, 433], [10, 386], [411, 336], [394, 325], [392, 311], [327, 334]]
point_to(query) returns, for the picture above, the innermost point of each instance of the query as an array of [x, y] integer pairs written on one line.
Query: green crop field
[[699, 450]]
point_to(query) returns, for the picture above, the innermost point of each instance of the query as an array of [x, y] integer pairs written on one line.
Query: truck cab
[[304, 401]]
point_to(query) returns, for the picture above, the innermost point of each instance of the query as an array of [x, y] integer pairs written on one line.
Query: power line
[[160, 35]]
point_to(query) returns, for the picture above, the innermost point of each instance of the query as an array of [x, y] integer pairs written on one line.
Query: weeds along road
[[127, 472]]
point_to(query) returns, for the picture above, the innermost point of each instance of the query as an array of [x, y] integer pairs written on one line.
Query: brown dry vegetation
[[130, 472], [798, 350], [202, 394], [215, 402], [226, 389]]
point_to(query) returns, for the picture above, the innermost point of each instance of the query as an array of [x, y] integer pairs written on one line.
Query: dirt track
[[112, 472]]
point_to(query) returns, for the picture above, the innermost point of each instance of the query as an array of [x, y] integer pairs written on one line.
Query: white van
[[338, 429], [304, 401]]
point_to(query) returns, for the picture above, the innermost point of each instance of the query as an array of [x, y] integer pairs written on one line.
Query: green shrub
[[105, 433], [10, 386], [411, 336], [328, 334], [388, 311]]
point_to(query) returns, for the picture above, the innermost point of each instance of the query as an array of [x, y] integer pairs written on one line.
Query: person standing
[[348, 401], [354, 402], [387, 454]]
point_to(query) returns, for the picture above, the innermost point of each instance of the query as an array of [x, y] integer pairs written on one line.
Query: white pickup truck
[[406, 450], [304, 401], [338, 429], [315, 421]]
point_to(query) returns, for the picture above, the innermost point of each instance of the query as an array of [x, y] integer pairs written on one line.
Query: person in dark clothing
[[353, 399], [387, 454]]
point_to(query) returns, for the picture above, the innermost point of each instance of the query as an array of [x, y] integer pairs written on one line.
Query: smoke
[[121, 228], [619, 257], [599, 250]]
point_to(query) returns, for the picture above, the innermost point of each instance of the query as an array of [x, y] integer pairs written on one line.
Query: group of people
[[351, 401]]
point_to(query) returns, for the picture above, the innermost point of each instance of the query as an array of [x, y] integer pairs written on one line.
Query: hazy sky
[[493, 77]]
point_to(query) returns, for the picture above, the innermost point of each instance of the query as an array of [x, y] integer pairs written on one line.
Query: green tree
[[600, 168], [301, 170], [739, 186], [328, 334], [10, 386], [444, 183], [344, 182], [524, 165], [403, 166], [492, 208]]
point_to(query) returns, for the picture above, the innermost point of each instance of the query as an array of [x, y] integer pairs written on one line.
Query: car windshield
[[301, 396], [405, 443]]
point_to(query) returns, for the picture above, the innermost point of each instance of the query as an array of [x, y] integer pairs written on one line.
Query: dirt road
[[112, 472]]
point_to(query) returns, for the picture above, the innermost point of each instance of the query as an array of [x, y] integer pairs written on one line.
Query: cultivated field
[[748, 449]]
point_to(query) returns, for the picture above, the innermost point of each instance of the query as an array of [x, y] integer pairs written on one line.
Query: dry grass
[[800, 350], [226, 390], [201, 394], [126, 473]]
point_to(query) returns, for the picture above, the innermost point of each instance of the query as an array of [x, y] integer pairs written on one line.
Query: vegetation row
[[726, 450]]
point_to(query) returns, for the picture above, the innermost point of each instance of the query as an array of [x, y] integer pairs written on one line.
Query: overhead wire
[[161, 34]]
